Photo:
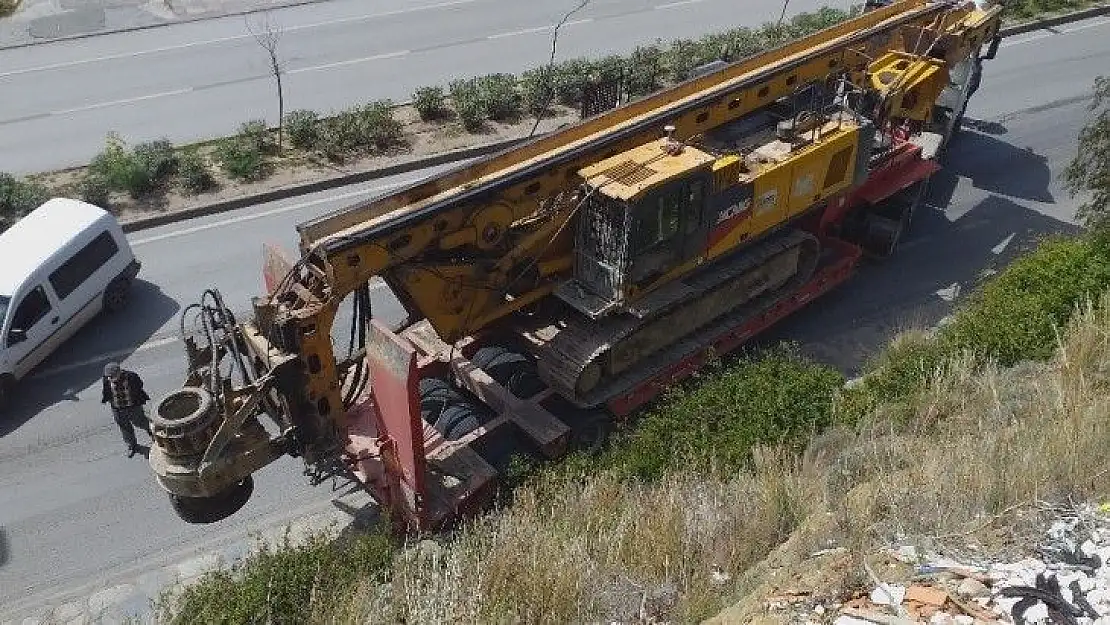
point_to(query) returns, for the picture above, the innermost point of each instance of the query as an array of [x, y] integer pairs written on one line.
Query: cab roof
[[630, 174], [41, 234]]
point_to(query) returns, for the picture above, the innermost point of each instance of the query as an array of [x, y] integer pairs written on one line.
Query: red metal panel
[[394, 378], [897, 179], [275, 266]]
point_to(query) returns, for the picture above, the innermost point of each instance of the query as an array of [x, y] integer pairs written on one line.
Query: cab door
[[669, 228], [34, 320]]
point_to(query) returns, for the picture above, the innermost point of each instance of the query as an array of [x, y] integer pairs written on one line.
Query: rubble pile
[[1064, 580]]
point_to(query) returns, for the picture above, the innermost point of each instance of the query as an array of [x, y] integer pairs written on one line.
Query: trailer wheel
[[514, 371], [202, 510], [458, 419], [435, 395]]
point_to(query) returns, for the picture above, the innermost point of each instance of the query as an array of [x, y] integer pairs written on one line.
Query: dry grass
[[977, 445], [599, 550], [980, 443]]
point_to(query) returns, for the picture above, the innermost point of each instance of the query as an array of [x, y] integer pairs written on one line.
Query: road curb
[[183, 20], [1049, 22], [291, 191]]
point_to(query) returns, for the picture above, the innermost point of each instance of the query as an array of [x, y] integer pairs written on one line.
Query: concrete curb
[[1049, 22], [183, 20], [464, 153], [283, 193]]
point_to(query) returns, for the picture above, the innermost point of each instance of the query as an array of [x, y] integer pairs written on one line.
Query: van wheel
[[116, 295], [7, 387]]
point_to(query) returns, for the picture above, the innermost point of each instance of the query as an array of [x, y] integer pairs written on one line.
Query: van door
[[34, 322]]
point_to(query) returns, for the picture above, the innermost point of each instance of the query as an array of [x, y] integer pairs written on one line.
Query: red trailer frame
[[428, 482]]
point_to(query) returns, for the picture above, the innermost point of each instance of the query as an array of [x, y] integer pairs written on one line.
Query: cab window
[[658, 220], [30, 311]]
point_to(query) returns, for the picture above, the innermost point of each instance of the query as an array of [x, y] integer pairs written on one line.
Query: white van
[[59, 267]]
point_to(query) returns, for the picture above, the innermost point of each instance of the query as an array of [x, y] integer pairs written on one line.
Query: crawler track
[[590, 362]]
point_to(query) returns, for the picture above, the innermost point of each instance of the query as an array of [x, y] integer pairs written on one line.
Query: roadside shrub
[[241, 159], [1012, 317], [121, 169], [378, 129], [283, 583], [257, 133], [340, 135], [499, 95], [19, 197], [537, 87], [158, 158], [303, 128], [713, 47], [94, 190], [570, 79], [644, 70], [682, 56], [430, 102], [1017, 315], [742, 43], [467, 100], [778, 397], [195, 175], [8, 7]]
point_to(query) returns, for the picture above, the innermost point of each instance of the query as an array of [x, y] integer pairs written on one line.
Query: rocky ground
[[1055, 570]]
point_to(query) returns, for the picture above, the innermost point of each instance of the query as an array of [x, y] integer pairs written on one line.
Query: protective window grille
[[602, 247], [602, 95]]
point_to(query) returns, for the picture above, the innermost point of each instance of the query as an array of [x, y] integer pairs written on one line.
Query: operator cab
[[644, 214]]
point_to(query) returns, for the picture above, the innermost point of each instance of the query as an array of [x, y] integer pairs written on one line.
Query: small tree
[[1090, 169], [268, 35]]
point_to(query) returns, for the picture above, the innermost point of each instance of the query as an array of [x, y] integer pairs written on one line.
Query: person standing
[[123, 391]]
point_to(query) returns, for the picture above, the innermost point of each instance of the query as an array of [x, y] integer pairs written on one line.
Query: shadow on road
[[994, 166], [5, 549], [79, 362], [941, 258]]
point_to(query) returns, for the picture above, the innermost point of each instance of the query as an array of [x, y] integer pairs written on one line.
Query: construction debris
[[1065, 582]]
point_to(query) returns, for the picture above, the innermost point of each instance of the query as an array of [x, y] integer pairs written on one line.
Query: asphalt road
[[201, 80], [74, 510]]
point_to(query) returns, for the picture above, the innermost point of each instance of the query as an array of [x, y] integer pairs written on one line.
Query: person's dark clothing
[[126, 397], [126, 392]]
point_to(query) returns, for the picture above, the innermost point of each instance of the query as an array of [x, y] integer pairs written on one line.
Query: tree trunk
[[281, 107]]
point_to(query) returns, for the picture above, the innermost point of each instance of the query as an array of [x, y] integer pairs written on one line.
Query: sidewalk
[[38, 21]]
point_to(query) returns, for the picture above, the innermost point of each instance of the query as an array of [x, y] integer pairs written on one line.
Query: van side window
[[33, 308], [83, 264]]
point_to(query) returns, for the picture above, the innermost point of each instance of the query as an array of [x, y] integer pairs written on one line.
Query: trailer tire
[[203, 510], [457, 419], [514, 371]]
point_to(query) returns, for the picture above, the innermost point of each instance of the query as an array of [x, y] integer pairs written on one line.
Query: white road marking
[[376, 57], [680, 3], [1001, 247], [269, 213], [206, 42], [100, 105], [539, 29]]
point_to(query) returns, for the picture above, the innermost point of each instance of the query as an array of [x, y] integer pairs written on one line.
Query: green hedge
[[1016, 315]]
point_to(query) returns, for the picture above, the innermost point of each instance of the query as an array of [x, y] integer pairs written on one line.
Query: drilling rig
[[564, 283]]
